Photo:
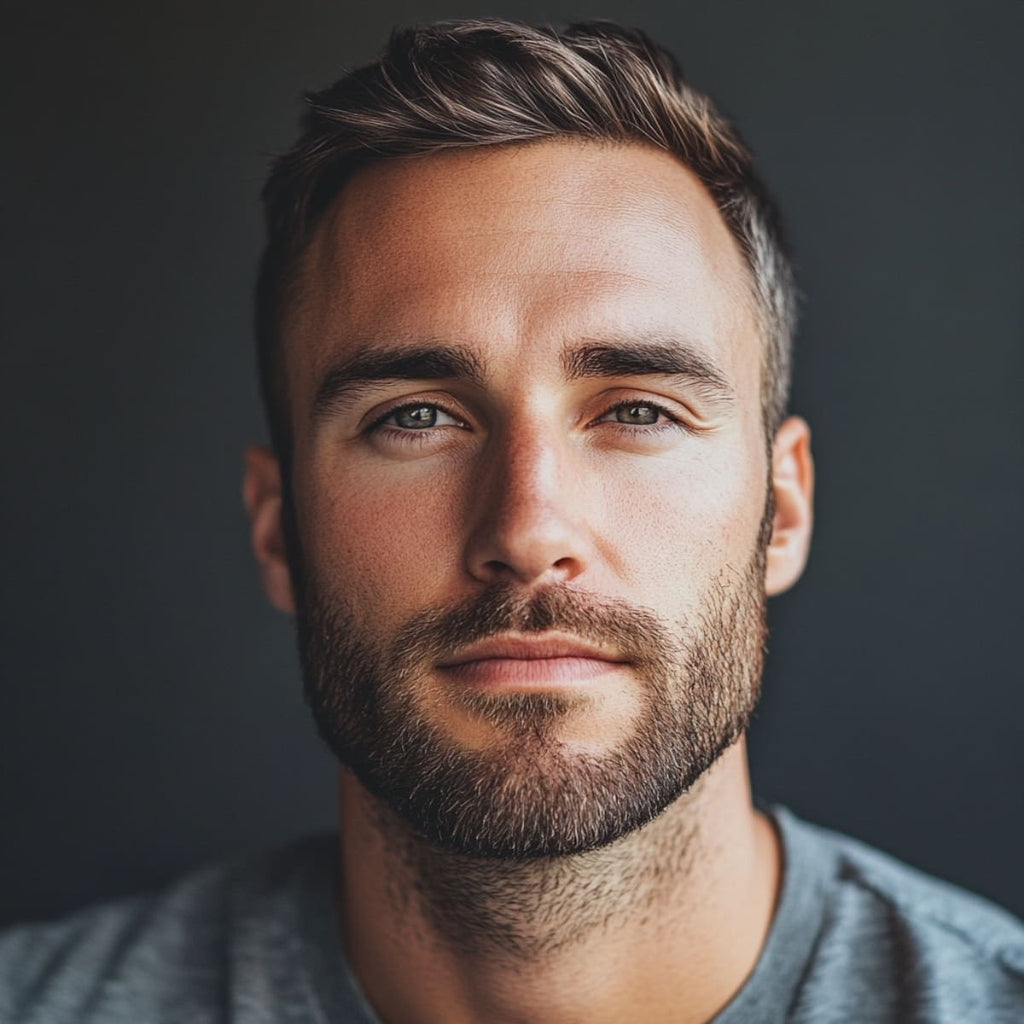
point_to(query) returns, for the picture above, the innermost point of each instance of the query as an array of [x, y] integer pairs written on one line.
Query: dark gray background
[[151, 714]]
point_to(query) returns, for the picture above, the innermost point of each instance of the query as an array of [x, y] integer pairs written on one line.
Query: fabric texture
[[856, 937]]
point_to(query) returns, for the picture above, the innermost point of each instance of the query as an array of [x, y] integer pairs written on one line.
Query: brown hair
[[486, 82]]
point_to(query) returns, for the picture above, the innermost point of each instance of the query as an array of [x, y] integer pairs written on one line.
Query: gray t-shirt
[[857, 937]]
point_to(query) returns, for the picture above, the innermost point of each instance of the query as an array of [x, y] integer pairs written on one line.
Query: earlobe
[[261, 494], [793, 491]]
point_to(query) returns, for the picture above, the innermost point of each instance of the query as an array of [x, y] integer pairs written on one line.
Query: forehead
[[519, 252]]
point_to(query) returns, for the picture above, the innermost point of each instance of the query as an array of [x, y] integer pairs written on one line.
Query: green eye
[[416, 417], [637, 414]]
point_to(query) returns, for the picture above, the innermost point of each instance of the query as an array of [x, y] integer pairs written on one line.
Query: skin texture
[[529, 481]]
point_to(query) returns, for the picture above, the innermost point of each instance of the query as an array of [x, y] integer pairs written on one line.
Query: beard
[[526, 794]]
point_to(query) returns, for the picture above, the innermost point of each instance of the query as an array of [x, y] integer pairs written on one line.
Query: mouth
[[530, 663]]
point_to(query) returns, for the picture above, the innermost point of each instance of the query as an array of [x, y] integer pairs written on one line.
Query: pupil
[[420, 417], [643, 414]]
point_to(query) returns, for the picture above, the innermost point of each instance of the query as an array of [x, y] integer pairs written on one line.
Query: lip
[[530, 663], [528, 649], [530, 673]]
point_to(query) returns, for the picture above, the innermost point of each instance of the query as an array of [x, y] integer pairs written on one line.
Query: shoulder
[[160, 957], [901, 937], [878, 882], [118, 959]]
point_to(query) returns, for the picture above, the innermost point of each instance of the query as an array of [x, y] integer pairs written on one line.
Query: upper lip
[[529, 649]]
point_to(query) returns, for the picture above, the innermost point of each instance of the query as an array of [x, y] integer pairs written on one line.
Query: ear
[[793, 488], [261, 493]]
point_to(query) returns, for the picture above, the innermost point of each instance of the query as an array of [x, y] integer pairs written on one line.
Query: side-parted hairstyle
[[461, 84]]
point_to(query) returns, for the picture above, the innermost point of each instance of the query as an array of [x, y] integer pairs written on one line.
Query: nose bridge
[[527, 517], [529, 469]]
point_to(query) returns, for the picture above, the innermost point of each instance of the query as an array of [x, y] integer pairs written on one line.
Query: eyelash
[[406, 435]]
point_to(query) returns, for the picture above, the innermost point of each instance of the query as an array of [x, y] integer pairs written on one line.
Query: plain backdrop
[[151, 715]]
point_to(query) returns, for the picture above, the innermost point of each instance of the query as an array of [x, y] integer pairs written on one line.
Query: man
[[524, 321]]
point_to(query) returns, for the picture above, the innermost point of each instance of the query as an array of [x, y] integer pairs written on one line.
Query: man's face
[[525, 393]]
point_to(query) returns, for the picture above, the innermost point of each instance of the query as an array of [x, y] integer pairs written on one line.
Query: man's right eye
[[415, 417], [418, 416]]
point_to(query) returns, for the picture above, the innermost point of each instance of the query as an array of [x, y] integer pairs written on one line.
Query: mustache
[[636, 633]]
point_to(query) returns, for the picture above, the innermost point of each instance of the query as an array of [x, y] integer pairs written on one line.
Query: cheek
[[381, 541], [674, 523]]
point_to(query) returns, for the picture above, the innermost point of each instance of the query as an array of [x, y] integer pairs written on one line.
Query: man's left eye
[[637, 414]]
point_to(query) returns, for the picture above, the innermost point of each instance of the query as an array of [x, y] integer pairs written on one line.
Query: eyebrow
[[372, 369], [659, 356]]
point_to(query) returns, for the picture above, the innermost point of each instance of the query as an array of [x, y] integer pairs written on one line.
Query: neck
[[664, 924]]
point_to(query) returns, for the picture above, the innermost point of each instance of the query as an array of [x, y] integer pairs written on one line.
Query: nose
[[528, 514]]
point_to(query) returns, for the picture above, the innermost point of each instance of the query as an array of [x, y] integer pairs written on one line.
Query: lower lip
[[525, 673]]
